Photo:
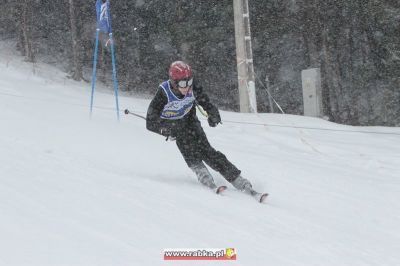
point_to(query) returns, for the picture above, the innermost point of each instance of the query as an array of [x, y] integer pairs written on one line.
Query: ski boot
[[204, 177], [242, 184]]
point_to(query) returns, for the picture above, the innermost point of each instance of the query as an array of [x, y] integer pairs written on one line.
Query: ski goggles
[[184, 83]]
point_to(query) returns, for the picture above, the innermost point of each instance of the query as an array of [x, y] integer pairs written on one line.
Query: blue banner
[[103, 16]]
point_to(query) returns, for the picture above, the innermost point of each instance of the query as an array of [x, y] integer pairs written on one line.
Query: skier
[[172, 113]]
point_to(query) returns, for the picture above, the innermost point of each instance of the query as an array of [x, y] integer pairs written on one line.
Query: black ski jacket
[[177, 127]]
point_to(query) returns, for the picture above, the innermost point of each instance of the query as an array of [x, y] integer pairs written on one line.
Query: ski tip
[[263, 197], [221, 189]]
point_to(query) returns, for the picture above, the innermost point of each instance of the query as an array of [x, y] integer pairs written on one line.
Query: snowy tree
[[77, 65], [355, 43]]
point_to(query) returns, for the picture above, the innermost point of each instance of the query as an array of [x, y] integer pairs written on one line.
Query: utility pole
[[312, 92], [271, 104], [244, 57]]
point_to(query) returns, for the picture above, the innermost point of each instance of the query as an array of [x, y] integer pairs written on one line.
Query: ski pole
[[201, 110], [127, 112]]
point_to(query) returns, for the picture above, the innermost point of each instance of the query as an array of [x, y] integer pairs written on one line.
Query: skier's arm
[[204, 101], [154, 122]]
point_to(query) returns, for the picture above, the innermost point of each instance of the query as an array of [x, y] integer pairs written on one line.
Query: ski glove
[[213, 117], [168, 132], [171, 129]]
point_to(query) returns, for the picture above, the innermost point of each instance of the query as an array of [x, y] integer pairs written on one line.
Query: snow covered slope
[[75, 191]]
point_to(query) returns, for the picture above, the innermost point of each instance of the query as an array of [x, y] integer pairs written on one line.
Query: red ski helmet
[[179, 70]]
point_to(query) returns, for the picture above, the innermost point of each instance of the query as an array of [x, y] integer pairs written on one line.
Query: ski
[[260, 197], [220, 189]]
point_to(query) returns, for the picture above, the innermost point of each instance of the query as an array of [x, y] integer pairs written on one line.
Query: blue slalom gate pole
[[94, 70], [104, 24], [114, 74]]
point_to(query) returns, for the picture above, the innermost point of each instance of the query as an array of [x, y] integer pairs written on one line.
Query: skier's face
[[184, 90], [185, 85]]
